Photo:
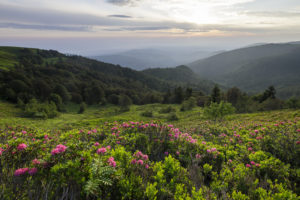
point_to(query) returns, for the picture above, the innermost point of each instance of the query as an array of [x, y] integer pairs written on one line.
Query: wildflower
[[208, 150], [145, 157], [203, 142], [230, 161], [166, 153], [252, 163], [24, 132], [96, 144], [248, 165], [20, 171], [140, 162], [32, 171], [111, 162], [108, 147], [250, 149], [146, 166], [59, 149], [133, 161], [36, 162], [256, 131], [198, 156], [298, 142], [177, 153], [257, 165], [101, 150], [21, 147], [213, 149]]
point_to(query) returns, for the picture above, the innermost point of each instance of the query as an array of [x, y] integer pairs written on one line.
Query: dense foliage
[[138, 160]]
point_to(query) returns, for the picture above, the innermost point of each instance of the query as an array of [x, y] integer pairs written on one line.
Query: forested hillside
[[254, 68]]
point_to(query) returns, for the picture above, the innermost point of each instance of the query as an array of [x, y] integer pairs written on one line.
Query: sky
[[103, 26]]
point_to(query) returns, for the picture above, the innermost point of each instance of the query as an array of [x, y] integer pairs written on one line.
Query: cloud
[[44, 27], [120, 16], [122, 2], [280, 14]]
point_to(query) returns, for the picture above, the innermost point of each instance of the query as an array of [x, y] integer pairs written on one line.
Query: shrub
[[167, 109], [35, 109], [82, 108], [147, 113], [172, 117], [218, 110], [188, 104]]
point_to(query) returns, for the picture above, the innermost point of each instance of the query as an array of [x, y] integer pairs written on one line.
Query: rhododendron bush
[[138, 160]]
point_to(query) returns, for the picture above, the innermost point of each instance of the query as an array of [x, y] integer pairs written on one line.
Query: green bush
[[218, 110], [82, 108], [147, 113], [34, 109], [188, 104], [167, 109], [172, 117]]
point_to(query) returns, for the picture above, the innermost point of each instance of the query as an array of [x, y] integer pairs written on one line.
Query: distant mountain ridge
[[254, 68], [140, 59]]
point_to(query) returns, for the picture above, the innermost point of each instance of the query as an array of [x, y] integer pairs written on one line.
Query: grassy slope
[[97, 115]]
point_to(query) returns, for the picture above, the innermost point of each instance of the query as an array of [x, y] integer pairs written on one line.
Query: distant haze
[[89, 27]]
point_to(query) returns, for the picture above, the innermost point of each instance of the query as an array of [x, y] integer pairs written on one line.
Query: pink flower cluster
[[59, 149], [111, 161], [21, 147], [142, 158], [252, 163], [101, 150], [211, 150], [22, 171]]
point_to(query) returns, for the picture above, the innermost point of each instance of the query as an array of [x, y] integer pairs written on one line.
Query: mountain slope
[[255, 68], [140, 59], [181, 74]]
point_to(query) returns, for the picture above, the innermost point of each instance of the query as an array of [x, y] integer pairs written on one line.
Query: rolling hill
[[254, 68], [140, 59], [27, 73]]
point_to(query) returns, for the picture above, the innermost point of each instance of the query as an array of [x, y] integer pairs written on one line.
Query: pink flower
[[59, 149], [36, 162], [145, 157], [198, 156], [177, 153], [298, 142], [108, 147], [96, 144], [111, 162], [208, 150], [32, 171], [230, 161], [166, 153], [250, 149], [248, 165], [203, 142], [133, 161], [20, 171], [24, 132], [252, 163], [257, 165], [94, 130], [213, 149], [140, 162], [21, 147], [146, 166], [101, 150], [256, 131]]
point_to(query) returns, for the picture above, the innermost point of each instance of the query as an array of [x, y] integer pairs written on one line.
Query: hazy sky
[[92, 26]]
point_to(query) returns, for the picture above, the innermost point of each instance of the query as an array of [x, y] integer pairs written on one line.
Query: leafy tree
[[82, 108], [58, 101], [188, 104], [218, 110], [178, 95], [62, 92], [233, 95], [216, 94]]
